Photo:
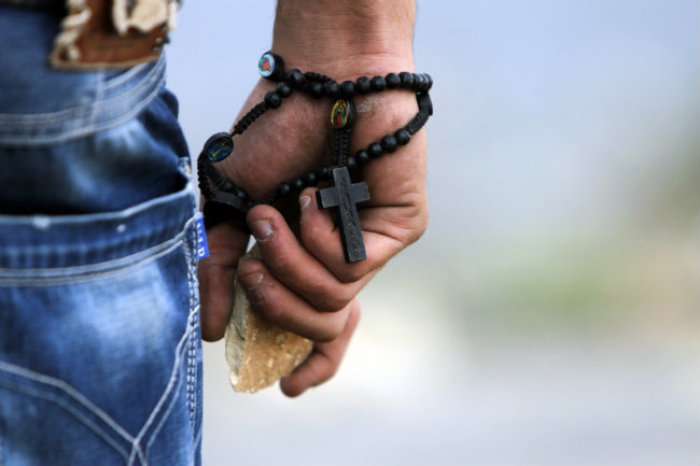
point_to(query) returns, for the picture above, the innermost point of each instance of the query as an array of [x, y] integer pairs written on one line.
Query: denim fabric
[[100, 350]]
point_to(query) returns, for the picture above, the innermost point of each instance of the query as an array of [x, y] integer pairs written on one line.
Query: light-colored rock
[[259, 353]]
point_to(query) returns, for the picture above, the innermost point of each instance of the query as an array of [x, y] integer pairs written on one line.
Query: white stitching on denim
[[140, 102], [192, 323], [31, 119], [189, 336], [164, 417], [50, 281], [72, 393], [184, 194], [70, 409], [123, 263], [97, 104], [166, 393], [130, 73]]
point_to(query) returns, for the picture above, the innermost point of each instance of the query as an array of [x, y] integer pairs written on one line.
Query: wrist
[[346, 38]]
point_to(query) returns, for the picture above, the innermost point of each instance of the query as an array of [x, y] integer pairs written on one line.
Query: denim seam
[[96, 107], [62, 404], [192, 322], [74, 394], [128, 104], [124, 215], [164, 417], [130, 73], [30, 119], [50, 281], [169, 389], [115, 266]]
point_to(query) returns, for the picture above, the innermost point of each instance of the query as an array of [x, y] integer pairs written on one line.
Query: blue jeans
[[100, 350]]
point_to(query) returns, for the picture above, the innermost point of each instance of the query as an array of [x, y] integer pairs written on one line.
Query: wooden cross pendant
[[344, 195]]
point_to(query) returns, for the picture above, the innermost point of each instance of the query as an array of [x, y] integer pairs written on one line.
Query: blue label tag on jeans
[[202, 245]]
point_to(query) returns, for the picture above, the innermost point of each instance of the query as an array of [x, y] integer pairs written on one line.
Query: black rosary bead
[[298, 184], [406, 79], [378, 83], [313, 76], [362, 157], [331, 89], [311, 179], [389, 143], [272, 99], [362, 85], [284, 189], [241, 193], [375, 150], [348, 88], [402, 136], [316, 89], [418, 82], [225, 184], [351, 162], [428, 82], [323, 173], [392, 80], [424, 82], [295, 78], [283, 89]]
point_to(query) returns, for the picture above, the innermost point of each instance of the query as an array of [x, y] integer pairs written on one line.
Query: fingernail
[[250, 280], [304, 202], [262, 229]]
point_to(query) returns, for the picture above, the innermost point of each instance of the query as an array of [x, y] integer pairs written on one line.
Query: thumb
[[227, 243]]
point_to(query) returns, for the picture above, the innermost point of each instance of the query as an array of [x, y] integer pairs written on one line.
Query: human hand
[[302, 283]]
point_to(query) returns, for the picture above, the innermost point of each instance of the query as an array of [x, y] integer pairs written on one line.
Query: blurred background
[[550, 315]]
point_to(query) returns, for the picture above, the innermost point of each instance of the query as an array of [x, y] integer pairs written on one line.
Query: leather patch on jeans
[[109, 34]]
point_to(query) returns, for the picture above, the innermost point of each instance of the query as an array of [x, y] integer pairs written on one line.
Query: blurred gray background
[[549, 316]]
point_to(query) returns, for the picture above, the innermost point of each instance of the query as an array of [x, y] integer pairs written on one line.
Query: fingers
[[227, 242], [285, 309], [324, 360], [291, 263], [321, 237]]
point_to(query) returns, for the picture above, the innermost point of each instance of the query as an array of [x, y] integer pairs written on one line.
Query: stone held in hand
[[259, 353]]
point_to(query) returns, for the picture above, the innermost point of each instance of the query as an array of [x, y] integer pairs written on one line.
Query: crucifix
[[344, 195]]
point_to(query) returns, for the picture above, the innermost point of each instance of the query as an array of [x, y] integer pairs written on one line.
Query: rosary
[[343, 194]]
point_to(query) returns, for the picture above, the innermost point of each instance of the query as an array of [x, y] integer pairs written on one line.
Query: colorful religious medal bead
[[218, 147], [342, 114], [271, 66]]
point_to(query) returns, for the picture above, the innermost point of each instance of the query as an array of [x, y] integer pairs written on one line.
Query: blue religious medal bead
[[218, 147], [271, 66], [342, 114]]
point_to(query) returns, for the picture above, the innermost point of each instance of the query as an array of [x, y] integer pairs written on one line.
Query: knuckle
[[421, 225], [416, 225], [330, 331], [279, 262], [351, 274], [334, 301], [274, 313]]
